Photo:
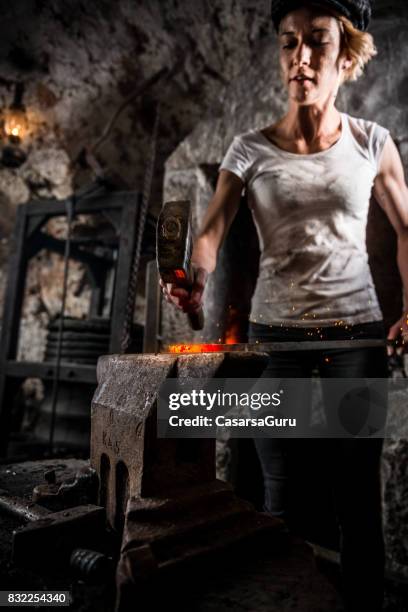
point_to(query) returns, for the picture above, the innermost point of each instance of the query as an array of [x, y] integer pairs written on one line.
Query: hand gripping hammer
[[174, 242]]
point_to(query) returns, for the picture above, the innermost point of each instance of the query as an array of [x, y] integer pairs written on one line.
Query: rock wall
[[81, 62]]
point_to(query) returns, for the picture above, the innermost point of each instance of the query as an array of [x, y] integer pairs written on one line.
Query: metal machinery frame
[[122, 210]]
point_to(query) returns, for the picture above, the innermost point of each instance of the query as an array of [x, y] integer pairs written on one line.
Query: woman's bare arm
[[391, 192], [217, 220]]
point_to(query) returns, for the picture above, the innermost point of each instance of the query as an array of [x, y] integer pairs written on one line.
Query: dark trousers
[[352, 465]]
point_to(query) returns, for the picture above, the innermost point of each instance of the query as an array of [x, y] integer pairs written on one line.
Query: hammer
[[174, 247]]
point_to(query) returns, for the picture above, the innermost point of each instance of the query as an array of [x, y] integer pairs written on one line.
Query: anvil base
[[163, 532]]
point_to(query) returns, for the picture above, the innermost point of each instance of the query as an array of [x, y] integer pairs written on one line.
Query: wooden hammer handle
[[196, 319]]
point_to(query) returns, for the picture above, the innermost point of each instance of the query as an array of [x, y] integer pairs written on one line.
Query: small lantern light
[[15, 128], [15, 125]]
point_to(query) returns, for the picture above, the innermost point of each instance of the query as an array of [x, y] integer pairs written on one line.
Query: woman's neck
[[306, 129], [310, 123]]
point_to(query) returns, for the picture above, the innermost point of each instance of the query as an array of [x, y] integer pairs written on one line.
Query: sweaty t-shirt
[[310, 212]]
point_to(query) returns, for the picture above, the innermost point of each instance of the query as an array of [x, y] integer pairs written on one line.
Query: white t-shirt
[[310, 212]]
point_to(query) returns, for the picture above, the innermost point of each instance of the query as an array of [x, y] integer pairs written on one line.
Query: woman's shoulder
[[247, 137], [247, 143], [253, 141], [364, 127], [369, 136]]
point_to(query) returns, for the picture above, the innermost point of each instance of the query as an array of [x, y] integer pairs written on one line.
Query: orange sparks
[[232, 334]]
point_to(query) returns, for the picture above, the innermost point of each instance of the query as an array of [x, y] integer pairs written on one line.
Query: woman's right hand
[[183, 299], [218, 217]]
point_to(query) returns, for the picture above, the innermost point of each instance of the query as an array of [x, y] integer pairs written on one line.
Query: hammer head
[[174, 242]]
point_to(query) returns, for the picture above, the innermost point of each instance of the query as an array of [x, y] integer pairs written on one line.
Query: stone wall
[[80, 62]]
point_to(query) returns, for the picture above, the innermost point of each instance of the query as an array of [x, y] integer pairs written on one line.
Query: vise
[[163, 493]]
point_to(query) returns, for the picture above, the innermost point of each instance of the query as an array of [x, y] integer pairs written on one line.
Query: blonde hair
[[356, 45]]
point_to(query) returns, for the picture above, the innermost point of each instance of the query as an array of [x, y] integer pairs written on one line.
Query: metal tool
[[174, 248], [49, 537], [266, 347]]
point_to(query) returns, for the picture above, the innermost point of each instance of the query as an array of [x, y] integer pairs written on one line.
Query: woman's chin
[[304, 98]]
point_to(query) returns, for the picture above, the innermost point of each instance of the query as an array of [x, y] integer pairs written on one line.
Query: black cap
[[357, 11]]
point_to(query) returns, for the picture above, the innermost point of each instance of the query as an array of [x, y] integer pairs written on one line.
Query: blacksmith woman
[[309, 178]]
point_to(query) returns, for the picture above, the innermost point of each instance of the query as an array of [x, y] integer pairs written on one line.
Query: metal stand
[[122, 210]]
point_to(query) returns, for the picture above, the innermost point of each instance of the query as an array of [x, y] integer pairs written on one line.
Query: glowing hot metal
[[265, 347]]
